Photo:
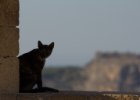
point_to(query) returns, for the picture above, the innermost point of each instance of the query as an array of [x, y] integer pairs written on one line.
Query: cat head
[[45, 50]]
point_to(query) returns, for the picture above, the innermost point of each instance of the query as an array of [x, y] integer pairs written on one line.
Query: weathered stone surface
[[9, 41], [31, 98], [9, 12], [71, 95], [75, 95], [66, 97], [9, 75], [8, 97], [9, 48]]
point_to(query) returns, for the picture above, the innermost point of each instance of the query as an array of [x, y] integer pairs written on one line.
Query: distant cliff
[[113, 71]]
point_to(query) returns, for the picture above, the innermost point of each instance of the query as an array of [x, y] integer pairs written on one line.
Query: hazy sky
[[80, 27]]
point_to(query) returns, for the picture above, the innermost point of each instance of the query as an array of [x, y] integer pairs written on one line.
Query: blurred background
[[96, 42]]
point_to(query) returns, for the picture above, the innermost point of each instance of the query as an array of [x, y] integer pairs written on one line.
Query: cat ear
[[51, 45], [40, 44]]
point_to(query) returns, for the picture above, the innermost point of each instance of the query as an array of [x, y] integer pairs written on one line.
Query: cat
[[31, 65]]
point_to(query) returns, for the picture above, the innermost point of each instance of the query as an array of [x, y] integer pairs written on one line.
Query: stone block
[[9, 45], [9, 75], [8, 97], [9, 12]]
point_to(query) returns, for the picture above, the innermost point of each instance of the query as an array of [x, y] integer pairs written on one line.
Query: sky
[[80, 28]]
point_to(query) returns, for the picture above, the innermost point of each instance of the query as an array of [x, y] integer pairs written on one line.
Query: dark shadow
[[129, 78]]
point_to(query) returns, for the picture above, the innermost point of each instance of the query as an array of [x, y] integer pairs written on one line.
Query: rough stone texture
[[9, 12], [66, 97], [31, 97], [77, 95], [9, 75], [9, 48], [71, 95], [8, 97], [9, 41]]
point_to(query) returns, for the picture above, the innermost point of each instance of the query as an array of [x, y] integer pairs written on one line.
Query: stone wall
[[9, 46]]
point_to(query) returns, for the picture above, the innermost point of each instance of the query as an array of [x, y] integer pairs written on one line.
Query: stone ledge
[[73, 95]]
